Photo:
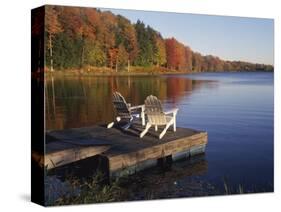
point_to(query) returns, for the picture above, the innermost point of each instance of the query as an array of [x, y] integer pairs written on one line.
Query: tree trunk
[[128, 65], [82, 54], [53, 96], [116, 63], [51, 52]]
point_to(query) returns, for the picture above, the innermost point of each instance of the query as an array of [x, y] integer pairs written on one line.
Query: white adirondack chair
[[157, 117], [126, 113]]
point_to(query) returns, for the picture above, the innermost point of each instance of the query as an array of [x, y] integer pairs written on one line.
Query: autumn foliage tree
[[77, 37], [160, 53], [95, 56], [126, 39], [52, 28], [122, 57], [188, 58], [175, 52]]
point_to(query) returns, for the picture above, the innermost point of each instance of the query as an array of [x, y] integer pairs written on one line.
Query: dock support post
[[165, 162], [103, 167]]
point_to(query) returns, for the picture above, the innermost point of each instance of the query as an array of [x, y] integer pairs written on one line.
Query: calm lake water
[[236, 109]]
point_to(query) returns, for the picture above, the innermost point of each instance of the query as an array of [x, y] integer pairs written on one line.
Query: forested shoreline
[[94, 40]]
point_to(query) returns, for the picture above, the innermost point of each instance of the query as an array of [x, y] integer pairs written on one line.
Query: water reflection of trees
[[82, 101]]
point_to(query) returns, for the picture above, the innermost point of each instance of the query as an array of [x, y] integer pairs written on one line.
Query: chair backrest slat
[[154, 111], [121, 106]]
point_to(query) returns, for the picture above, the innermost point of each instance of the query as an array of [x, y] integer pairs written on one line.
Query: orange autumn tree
[[188, 58], [88, 29], [123, 57], [95, 53], [126, 40], [106, 36], [53, 27], [112, 57], [175, 52], [197, 62]]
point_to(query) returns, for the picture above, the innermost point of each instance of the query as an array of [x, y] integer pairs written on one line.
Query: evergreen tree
[[145, 55]]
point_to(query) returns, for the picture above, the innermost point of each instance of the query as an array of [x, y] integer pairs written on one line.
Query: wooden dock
[[124, 152]]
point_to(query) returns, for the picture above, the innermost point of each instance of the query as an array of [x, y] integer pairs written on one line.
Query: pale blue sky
[[230, 38]]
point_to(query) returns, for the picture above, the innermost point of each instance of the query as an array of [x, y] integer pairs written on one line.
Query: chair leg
[[127, 126], [164, 131], [142, 118], [148, 125], [174, 122], [156, 128], [110, 125]]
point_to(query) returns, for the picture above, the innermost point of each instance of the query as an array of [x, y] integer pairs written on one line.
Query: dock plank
[[122, 148], [63, 157]]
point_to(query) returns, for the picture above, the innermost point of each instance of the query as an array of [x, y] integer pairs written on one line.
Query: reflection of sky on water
[[238, 116]]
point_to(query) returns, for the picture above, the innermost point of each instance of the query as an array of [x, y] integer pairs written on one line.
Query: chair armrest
[[137, 107], [173, 111]]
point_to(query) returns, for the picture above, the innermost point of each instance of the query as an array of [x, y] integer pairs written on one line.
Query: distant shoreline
[[133, 73]]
